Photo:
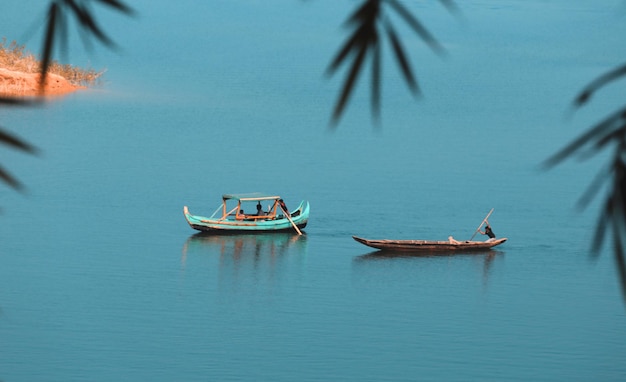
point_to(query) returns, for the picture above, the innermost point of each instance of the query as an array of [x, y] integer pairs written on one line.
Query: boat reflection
[[246, 258], [240, 246], [488, 256], [389, 254]]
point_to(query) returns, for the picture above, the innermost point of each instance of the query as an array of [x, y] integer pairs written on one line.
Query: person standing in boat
[[488, 232], [259, 209], [283, 206]]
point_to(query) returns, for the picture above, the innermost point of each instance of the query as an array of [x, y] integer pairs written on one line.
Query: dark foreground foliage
[[58, 16]]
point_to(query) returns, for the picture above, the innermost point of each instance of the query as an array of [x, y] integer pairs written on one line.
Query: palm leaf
[[365, 21], [88, 22], [593, 188], [367, 11], [16, 143], [621, 265], [598, 83], [416, 25], [402, 58], [57, 26], [48, 43], [376, 81], [351, 45], [601, 228], [14, 101], [119, 6], [56, 30], [598, 130], [363, 40], [349, 84], [10, 180], [611, 131]]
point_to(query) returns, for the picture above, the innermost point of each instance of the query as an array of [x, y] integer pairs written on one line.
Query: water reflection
[[248, 258], [387, 254], [377, 257], [241, 248]]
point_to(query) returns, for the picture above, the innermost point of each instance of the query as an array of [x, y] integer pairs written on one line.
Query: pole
[[481, 224], [291, 221]]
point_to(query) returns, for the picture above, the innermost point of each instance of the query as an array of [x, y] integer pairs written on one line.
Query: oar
[[291, 221], [481, 224]]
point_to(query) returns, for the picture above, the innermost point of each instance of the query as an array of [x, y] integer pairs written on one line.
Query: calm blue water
[[101, 279]]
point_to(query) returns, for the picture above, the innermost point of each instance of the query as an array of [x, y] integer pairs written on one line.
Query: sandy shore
[[21, 84]]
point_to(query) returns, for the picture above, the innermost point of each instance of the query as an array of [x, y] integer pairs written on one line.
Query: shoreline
[[21, 84]]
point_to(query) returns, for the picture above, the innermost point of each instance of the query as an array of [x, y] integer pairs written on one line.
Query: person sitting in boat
[[240, 215], [488, 232], [259, 209]]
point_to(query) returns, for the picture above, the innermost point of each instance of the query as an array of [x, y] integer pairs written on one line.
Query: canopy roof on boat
[[253, 196]]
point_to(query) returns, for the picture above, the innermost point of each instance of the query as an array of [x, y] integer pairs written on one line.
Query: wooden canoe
[[429, 245]]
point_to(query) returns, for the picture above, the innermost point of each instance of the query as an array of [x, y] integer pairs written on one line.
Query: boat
[[450, 245], [429, 245], [234, 219]]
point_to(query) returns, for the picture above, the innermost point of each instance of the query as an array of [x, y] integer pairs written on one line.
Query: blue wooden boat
[[234, 218]]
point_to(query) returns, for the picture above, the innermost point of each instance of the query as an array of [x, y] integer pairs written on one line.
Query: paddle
[[291, 221], [481, 224]]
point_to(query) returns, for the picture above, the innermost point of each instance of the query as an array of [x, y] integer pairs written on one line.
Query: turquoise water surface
[[101, 279]]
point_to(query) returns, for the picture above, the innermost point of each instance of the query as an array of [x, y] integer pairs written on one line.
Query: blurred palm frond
[[58, 13], [608, 133], [369, 23], [19, 144]]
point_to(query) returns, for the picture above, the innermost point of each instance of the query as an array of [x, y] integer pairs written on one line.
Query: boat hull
[[299, 218], [428, 245]]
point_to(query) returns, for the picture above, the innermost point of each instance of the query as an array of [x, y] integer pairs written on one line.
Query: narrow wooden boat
[[234, 219], [450, 245], [429, 245]]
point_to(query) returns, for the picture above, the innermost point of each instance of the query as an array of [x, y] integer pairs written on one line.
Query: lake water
[[101, 279]]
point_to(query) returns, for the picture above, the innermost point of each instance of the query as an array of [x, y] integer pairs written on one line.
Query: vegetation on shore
[[14, 57]]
